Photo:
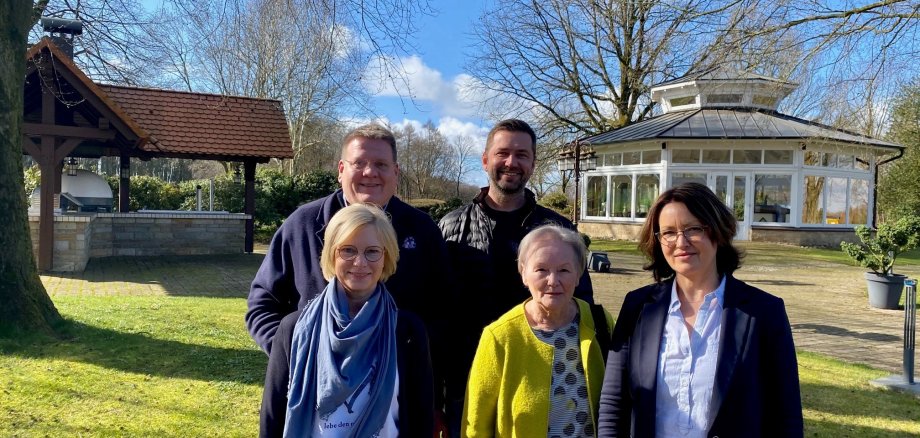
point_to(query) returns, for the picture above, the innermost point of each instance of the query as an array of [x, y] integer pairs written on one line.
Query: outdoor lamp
[[71, 166]]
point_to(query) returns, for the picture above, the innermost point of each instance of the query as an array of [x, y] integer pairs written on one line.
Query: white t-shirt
[[340, 421]]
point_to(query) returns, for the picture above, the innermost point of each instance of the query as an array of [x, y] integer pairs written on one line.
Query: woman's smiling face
[[359, 276], [693, 257]]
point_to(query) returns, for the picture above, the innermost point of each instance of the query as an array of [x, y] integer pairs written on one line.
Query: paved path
[[826, 302]]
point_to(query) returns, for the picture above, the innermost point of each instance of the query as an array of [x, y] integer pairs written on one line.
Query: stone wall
[[606, 230], [79, 237], [816, 237]]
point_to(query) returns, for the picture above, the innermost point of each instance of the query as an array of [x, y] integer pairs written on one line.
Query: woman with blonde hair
[[351, 364], [538, 368]]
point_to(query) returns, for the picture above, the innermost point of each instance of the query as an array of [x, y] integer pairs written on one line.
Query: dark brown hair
[[513, 125], [712, 213]]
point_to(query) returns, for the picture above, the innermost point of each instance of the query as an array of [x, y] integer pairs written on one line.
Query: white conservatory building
[[787, 179]]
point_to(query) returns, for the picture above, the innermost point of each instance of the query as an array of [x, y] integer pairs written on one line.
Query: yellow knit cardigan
[[508, 393]]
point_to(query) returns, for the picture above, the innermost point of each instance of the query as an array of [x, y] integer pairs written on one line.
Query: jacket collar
[[530, 199]]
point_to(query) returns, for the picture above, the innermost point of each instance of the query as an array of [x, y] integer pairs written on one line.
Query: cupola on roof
[[721, 88]]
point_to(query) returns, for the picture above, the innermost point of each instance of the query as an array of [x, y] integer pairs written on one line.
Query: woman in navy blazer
[[699, 353]]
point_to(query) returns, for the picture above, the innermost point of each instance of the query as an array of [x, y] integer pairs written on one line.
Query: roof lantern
[[721, 88]]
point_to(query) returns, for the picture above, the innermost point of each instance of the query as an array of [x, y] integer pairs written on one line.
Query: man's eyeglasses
[[371, 253], [360, 165], [692, 234]]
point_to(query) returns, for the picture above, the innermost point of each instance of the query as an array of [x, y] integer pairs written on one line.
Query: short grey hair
[[557, 234]]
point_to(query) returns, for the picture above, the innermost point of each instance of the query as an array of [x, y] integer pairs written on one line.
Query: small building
[[787, 179], [66, 114]]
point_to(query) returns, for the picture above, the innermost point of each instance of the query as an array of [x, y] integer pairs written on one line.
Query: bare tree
[[24, 304], [461, 160], [423, 159]]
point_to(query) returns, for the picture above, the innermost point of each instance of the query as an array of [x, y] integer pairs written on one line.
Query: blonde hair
[[558, 235], [346, 223]]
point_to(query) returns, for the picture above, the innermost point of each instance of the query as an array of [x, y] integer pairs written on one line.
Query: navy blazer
[[757, 380]]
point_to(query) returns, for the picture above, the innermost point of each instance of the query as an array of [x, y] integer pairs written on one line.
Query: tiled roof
[[742, 123], [202, 125]]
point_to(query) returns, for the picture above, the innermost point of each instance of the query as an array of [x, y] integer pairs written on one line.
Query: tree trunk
[[24, 303]]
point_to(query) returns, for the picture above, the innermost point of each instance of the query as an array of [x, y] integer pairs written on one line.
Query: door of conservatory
[[733, 189]]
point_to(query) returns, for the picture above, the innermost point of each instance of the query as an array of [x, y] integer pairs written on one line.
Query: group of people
[[380, 323]]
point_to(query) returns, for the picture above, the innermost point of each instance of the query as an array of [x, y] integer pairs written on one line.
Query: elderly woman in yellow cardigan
[[539, 368]]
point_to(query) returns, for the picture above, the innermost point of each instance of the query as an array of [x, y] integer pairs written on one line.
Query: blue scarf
[[333, 358]]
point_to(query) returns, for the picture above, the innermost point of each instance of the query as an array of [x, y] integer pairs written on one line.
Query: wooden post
[[48, 184], [250, 207], [124, 183]]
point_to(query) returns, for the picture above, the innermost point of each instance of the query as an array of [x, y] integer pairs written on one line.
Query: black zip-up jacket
[[468, 232]]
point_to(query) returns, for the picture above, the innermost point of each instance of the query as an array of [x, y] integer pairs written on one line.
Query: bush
[[441, 210], [880, 251], [558, 202]]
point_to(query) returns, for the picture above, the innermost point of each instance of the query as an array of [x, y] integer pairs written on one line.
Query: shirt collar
[[718, 294]]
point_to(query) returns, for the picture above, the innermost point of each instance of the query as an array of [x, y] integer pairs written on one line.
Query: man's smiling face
[[368, 172], [509, 161]]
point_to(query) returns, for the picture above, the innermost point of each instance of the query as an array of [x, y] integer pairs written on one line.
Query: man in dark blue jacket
[[291, 276]]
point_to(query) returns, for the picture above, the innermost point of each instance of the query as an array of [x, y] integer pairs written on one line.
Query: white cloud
[[409, 77]]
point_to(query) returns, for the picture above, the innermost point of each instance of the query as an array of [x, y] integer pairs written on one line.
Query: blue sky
[[437, 77]]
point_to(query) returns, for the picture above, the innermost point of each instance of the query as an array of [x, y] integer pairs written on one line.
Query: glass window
[[613, 159], [769, 101], [716, 156], [813, 158], [685, 156], [830, 160], [836, 201], [859, 202], [683, 177], [596, 202], [813, 200], [686, 100], [777, 157], [647, 187], [723, 98], [631, 158], [622, 196], [862, 161], [747, 156], [772, 194], [844, 161], [651, 157]]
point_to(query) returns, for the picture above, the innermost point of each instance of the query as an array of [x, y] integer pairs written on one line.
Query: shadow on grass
[[203, 275], [819, 428], [853, 402], [142, 354], [780, 282], [840, 331]]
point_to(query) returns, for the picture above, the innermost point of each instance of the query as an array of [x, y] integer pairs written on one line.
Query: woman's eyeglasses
[[371, 253], [692, 234]]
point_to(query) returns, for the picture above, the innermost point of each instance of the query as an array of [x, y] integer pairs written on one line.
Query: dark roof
[[740, 123], [183, 123], [722, 74]]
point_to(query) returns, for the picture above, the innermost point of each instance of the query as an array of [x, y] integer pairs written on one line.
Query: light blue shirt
[[687, 368]]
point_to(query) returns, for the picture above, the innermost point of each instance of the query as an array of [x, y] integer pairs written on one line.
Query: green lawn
[[185, 366]]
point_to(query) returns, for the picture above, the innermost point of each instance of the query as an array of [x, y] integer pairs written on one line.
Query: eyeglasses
[[360, 165], [371, 253], [691, 234]]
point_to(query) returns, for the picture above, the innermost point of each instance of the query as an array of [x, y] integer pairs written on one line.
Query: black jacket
[[468, 232], [416, 390], [756, 391]]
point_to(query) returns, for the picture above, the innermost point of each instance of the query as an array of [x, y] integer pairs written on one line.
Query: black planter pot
[[884, 290]]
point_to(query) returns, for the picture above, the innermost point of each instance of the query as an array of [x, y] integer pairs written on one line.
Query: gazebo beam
[[68, 131], [249, 172]]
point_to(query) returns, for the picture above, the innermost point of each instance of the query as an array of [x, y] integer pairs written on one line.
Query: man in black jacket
[[482, 243]]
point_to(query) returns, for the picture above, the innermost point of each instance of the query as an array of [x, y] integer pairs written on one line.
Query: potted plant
[[878, 253]]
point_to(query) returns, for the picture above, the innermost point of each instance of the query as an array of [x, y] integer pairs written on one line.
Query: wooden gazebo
[[68, 115]]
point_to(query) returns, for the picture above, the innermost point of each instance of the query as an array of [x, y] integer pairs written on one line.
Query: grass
[[135, 366], [185, 366]]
